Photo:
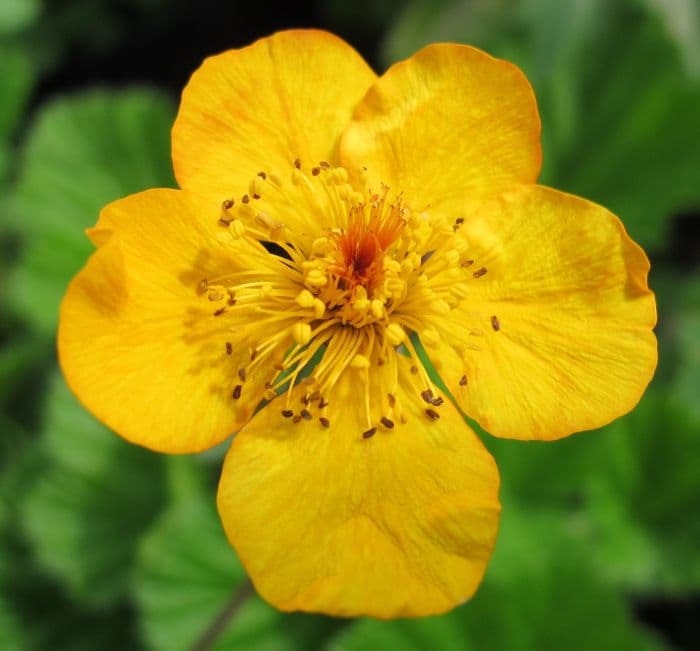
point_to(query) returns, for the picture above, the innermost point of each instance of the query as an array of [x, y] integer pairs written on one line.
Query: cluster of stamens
[[346, 290]]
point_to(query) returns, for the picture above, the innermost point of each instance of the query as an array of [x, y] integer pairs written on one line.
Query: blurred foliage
[[104, 545]]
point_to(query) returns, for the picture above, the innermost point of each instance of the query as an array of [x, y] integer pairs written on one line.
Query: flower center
[[354, 276]]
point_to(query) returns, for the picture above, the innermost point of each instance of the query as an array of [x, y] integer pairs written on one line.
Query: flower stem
[[221, 621]]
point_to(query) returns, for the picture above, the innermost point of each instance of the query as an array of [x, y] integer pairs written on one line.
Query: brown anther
[[387, 422], [268, 385], [466, 263], [324, 164], [392, 399], [297, 163], [229, 348], [256, 196], [463, 381], [220, 311], [414, 370], [253, 354], [237, 392], [305, 414], [225, 220], [241, 374], [305, 400], [231, 300], [296, 419], [432, 414], [459, 221], [315, 396], [315, 171], [369, 433], [479, 272], [437, 401], [245, 198], [323, 403], [228, 204], [287, 413], [495, 323], [262, 175], [324, 421], [428, 396]]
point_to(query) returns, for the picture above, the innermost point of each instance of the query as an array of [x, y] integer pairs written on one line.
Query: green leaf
[[539, 593], [645, 501], [82, 152], [95, 495], [188, 574], [16, 15]]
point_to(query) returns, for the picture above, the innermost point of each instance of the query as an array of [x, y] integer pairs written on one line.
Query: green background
[[106, 546]]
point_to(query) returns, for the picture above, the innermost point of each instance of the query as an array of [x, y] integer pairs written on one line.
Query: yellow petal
[[324, 520], [556, 330], [261, 107], [447, 124], [138, 342]]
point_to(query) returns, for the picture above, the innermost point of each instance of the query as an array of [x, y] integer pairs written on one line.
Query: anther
[[495, 323], [245, 198], [325, 165], [297, 163], [324, 421], [463, 381], [459, 221], [427, 395], [323, 403], [262, 175], [369, 433], [296, 419], [241, 374], [301, 332], [228, 204], [392, 399], [237, 392], [315, 171], [229, 348], [466, 263], [387, 422], [479, 272], [436, 402], [305, 414], [220, 311], [287, 413], [414, 370], [432, 414]]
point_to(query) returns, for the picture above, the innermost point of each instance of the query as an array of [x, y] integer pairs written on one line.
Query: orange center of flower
[[344, 291]]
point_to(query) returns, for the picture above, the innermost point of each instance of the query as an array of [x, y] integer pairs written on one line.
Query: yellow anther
[[319, 246], [361, 304], [377, 308], [391, 265], [301, 331], [442, 306], [319, 308], [430, 337], [237, 229], [359, 361], [395, 334], [255, 187], [316, 278], [269, 394], [305, 298]]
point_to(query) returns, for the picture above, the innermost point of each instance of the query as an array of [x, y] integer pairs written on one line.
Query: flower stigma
[[348, 291]]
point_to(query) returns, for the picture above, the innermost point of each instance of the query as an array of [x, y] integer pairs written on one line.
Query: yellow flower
[[330, 220]]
